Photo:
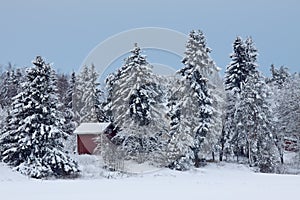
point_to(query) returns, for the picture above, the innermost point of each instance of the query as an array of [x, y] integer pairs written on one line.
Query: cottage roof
[[91, 128]]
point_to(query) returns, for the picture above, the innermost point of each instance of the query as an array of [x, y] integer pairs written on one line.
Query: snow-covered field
[[215, 181]]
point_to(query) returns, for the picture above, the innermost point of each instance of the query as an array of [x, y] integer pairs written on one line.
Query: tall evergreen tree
[[287, 112], [254, 128], [63, 91], [62, 88], [242, 66], [195, 101], [70, 120], [134, 103], [90, 96], [33, 140], [86, 100], [279, 82]]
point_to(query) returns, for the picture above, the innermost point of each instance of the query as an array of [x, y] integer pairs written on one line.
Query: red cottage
[[87, 134]]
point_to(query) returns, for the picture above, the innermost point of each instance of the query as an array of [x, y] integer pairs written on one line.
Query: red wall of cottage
[[86, 143]]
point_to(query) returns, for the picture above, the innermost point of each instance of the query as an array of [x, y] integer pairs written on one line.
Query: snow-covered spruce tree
[[88, 93], [278, 82], [288, 112], [196, 102], [80, 87], [134, 103], [33, 140], [241, 67], [64, 91], [10, 86], [254, 128], [179, 146], [279, 77], [204, 79], [62, 87], [235, 77], [249, 71], [90, 96], [70, 122]]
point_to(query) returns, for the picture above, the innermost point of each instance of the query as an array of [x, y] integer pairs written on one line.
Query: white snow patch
[[215, 181], [7, 175]]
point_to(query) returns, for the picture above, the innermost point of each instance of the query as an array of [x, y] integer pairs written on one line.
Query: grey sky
[[64, 31]]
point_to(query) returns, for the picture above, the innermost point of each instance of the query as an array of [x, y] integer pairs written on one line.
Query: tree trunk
[[221, 153], [197, 159], [222, 149], [249, 154], [222, 145]]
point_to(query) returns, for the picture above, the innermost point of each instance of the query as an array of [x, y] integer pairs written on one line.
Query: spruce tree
[[287, 112], [87, 103], [70, 121], [10, 86], [90, 96], [34, 137], [235, 76], [68, 106], [242, 66], [79, 92], [64, 97], [62, 88], [134, 103], [279, 83], [254, 129], [195, 101]]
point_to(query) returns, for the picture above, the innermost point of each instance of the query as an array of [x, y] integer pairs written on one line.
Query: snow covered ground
[[215, 181]]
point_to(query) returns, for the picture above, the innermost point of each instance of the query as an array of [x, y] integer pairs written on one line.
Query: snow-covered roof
[[91, 128]]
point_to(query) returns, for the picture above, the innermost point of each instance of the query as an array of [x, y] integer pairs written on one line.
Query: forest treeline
[[180, 121]]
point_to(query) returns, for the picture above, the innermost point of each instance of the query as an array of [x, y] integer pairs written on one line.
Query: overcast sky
[[65, 31]]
